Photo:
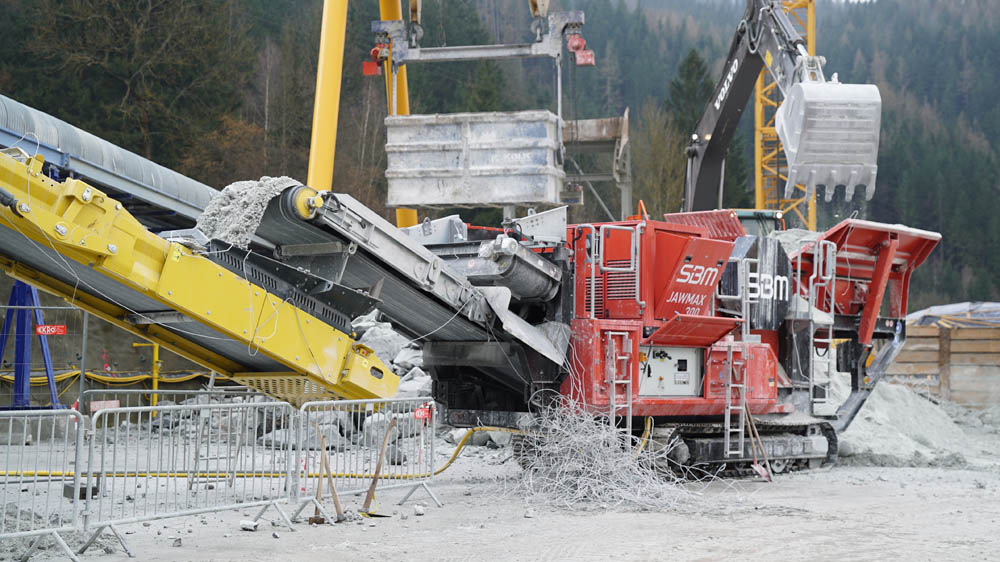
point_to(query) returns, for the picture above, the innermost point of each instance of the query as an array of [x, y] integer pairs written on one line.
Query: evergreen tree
[[689, 92], [485, 91], [158, 74], [611, 80]]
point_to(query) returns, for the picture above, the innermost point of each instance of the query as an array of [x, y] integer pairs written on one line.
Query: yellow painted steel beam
[[156, 368], [390, 10], [326, 107], [85, 225], [768, 154]]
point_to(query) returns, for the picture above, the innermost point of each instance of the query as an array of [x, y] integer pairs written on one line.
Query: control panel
[[671, 371]]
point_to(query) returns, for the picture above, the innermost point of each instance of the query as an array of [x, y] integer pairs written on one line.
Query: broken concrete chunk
[[415, 384], [501, 438], [384, 341], [408, 358], [394, 455]]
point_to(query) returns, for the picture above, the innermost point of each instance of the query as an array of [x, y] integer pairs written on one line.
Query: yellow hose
[[131, 379], [645, 438], [465, 438], [454, 456]]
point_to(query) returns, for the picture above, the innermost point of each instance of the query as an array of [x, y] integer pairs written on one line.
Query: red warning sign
[[50, 330]]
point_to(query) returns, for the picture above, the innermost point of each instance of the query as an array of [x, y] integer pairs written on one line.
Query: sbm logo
[[767, 286], [698, 275]]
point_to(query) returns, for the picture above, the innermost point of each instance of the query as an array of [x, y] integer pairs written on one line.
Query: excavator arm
[[829, 130]]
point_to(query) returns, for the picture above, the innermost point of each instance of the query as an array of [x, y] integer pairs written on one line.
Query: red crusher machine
[[695, 323]]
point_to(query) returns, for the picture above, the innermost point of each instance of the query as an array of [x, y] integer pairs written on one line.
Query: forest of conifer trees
[[223, 91]]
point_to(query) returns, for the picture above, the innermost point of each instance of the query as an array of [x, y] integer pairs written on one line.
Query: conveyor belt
[[411, 308], [72, 240], [420, 293], [157, 196]]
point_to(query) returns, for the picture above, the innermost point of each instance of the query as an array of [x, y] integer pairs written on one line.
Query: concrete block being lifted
[[474, 159]]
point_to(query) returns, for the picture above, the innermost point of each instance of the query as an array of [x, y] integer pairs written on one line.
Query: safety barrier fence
[[101, 398], [63, 471], [40, 450], [357, 440]]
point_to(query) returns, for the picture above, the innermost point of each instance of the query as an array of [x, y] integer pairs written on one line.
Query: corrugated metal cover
[[722, 224], [37, 126]]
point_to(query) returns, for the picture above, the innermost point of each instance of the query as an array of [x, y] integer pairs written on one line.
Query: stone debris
[[898, 427], [234, 214], [384, 341], [501, 438], [249, 525], [415, 384], [362, 323], [407, 359], [285, 438], [14, 431], [178, 542], [418, 510], [394, 455]]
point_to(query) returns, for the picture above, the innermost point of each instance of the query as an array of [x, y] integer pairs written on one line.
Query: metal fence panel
[[102, 398], [353, 432], [39, 452], [166, 461], [155, 462]]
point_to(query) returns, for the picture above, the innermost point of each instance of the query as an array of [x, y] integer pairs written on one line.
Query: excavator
[[696, 321]]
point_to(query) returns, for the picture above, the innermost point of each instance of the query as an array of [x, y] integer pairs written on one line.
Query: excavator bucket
[[830, 134]]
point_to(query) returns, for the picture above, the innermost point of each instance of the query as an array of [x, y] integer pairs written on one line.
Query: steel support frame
[[23, 308], [769, 161]]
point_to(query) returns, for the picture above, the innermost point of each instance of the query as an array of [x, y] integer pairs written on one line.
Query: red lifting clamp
[[578, 46], [379, 54]]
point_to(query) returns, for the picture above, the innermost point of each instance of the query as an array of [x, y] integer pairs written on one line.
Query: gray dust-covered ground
[[921, 482]]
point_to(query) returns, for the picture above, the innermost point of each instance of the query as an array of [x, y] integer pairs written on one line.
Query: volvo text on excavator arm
[[829, 130]]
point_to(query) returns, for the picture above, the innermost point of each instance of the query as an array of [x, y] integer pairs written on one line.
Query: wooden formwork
[[958, 364]]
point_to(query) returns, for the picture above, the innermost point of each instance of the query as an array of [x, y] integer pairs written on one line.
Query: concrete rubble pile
[[898, 427], [396, 350]]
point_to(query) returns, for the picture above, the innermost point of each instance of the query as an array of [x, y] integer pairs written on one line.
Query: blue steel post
[[43, 342], [25, 304], [8, 318], [22, 350]]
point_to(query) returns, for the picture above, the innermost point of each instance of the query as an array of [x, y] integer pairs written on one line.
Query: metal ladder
[[823, 276], [735, 429], [613, 358]]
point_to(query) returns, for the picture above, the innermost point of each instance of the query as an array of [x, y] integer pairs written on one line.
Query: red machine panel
[[756, 365], [721, 224], [645, 270], [692, 331], [870, 258], [695, 266], [605, 351]]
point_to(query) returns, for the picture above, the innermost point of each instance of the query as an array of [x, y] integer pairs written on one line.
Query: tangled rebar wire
[[576, 461]]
